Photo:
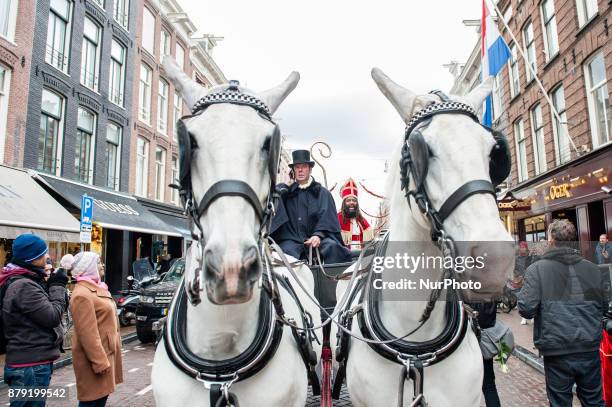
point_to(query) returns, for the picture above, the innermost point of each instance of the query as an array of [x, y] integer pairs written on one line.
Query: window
[[83, 146], [8, 18], [90, 57], [117, 73], [508, 13], [113, 156], [121, 12], [164, 44], [51, 123], [521, 157], [5, 86], [586, 10], [148, 31], [160, 173], [144, 95], [497, 102], [514, 72], [551, 41], [177, 112], [530, 49], [162, 106], [58, 34], [142, 164], [561, 134], [180, 56], [537, 129], [175, 180], [600, 112]]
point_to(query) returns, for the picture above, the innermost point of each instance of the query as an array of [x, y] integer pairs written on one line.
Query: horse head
[[448, 152], [227, 142]]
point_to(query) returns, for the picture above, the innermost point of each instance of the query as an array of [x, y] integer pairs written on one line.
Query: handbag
[[491, 340]]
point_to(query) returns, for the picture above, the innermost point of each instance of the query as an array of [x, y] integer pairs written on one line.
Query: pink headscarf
[[84, 267]]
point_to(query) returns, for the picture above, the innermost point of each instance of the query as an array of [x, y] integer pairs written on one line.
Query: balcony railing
[[121, 18], [56, 58], [116, 96], [89, 79]]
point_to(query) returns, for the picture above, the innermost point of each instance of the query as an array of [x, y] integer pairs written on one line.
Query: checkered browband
[[233, 96]]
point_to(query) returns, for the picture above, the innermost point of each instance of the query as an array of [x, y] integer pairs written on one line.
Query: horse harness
[[414, 356], [219, 375]]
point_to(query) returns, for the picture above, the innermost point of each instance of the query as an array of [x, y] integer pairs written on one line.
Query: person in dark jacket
[[306, 216], [603, 250], [487, 315], [32, 310], [565, 294]]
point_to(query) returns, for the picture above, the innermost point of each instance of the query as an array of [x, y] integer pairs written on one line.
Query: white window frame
[[507, 14], [165, 44], [180, 61], [591, 88], [497, 97], [521, 159], [92, 146], [5, 88], [116, 178], [116, 93], [57, 160], [550, 25], [514, 71], [160, 174], [122, 16], [144, 95], [537, 136], [177, 112], [142, 160], [61, 60], [148, 36], [587, 9], [91, 79], [563, 154], [530, 50], [11, 21], [162, 106], [175, 176]]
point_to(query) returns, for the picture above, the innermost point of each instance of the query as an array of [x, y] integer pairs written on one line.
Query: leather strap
[[464, 192], [231, 187]]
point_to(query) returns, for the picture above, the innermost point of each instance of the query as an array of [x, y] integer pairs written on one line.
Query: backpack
[[2, 292]]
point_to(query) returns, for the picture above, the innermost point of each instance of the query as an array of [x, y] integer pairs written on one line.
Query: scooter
[[128, 299], [508, 299]]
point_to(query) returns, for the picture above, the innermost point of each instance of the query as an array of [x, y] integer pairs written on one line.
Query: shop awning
[[112, 210], [27, 208], [179, 223]]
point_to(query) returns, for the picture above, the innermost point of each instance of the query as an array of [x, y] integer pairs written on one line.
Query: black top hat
[[301, 157]]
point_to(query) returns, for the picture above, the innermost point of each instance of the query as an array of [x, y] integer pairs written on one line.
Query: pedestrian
[[487, 315], [523, 260], [32, 311], [565, 294], [603, 250], [96, 342]]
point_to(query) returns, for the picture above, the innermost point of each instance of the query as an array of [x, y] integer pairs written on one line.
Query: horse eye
[[192, 141], [266, 144], [431, 154]]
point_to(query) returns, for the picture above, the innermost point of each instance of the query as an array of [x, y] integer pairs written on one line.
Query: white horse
[[460, 151], [231, 141]]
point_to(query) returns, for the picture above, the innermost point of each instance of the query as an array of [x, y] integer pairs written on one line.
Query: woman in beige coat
[[96, 343]]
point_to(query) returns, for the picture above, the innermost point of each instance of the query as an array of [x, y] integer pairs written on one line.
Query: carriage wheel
[[326, 377]]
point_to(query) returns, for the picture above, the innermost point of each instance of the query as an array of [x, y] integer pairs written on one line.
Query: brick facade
[[69, 87], [180, 31], [576, 46], [16, 56]]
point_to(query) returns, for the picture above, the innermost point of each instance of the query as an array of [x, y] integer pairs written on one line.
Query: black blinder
[[500, 162], [184, 154], [274, 154], [419, 154]]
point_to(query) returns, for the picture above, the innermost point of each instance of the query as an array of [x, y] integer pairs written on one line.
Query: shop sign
[[514, 205], [559, 191], [115, 207]]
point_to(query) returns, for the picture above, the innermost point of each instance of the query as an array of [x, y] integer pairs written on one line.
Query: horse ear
[[275, 96], [190, 90], [478, 95], [401, 98]]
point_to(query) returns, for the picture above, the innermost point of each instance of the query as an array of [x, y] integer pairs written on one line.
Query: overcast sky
[[334, 44]]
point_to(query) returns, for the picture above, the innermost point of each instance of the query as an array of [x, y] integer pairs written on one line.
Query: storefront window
[[535, 229]]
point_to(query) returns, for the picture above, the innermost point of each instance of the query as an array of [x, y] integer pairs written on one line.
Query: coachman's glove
[[58, 278]]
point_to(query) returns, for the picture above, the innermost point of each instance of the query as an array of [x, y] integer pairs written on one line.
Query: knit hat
[[28, 247]]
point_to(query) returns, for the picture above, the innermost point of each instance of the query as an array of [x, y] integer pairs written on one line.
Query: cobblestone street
[[522, 386]]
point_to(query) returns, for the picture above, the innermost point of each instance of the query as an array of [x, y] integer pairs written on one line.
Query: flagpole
[[535, 75]]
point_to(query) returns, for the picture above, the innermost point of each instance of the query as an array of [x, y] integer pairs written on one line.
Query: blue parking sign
[[87, 204]]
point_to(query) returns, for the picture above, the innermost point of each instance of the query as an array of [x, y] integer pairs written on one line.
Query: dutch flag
[[494, 53]]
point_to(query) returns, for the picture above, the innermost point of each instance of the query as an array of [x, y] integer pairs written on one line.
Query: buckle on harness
[[225, 384]]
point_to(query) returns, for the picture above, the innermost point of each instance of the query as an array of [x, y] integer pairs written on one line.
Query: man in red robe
[[355, 229]]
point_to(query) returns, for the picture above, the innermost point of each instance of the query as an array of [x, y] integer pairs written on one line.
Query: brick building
[[568, 45], [16, 33]]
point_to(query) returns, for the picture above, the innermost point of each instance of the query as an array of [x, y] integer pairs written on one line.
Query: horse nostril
[[250, 262], [212, 265]]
